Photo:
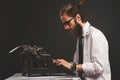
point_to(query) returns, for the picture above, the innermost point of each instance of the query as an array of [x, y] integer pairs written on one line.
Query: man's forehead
[[64, 17]]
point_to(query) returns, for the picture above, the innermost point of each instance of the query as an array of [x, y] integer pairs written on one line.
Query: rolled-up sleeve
[[98, 55]]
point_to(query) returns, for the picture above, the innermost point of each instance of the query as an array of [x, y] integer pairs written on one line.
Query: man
[[95, 64]]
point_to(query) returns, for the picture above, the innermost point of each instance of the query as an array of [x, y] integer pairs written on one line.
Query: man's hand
[[62, 62]]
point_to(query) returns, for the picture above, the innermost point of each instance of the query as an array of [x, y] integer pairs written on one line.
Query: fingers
[[54, 61], [57, 62]]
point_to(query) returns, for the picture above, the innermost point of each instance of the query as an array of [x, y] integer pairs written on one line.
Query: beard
[[76, 31]]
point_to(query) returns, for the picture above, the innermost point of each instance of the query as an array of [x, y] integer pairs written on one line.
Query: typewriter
[[35, 60]]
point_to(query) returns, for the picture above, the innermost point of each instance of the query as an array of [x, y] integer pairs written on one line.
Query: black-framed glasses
[[67, 22]]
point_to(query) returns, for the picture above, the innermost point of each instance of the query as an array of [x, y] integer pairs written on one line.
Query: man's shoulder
[[95, 32]]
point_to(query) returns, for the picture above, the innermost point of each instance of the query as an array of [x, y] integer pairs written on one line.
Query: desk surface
[[18, 76]]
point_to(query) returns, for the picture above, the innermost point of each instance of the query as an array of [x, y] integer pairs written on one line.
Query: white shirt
[[95, 54]]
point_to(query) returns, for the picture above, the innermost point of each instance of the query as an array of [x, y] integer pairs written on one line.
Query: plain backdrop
[[37, 22]]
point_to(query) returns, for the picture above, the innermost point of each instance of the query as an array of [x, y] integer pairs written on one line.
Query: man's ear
[[78, 18]]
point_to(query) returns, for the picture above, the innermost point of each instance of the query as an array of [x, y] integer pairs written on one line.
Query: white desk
[[18, 76]]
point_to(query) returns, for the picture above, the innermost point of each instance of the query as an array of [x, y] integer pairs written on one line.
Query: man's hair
[[72, 10]]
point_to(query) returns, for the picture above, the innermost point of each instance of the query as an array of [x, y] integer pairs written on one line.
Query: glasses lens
[[67, 22]]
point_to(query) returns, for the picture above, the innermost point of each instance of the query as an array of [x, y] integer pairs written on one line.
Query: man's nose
[[67, 27]]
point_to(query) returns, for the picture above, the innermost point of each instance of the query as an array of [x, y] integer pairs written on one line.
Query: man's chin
[[73, 34]]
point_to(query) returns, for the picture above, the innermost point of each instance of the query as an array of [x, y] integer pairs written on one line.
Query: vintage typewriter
[[35, 60]]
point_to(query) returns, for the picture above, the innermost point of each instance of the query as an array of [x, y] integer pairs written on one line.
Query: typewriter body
[[35, 60]]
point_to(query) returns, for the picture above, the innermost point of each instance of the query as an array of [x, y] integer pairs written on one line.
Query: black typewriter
[[35, 60]]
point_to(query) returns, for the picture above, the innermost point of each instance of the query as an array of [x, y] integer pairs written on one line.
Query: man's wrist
[[73, 67], [79, 67]]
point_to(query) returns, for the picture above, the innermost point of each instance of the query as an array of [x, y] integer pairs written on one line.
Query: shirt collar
[[85, 28]]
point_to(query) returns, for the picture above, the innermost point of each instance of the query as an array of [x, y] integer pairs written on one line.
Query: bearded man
[[91, 58]]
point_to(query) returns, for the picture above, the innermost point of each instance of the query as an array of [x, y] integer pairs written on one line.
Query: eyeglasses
[[67, 22]]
